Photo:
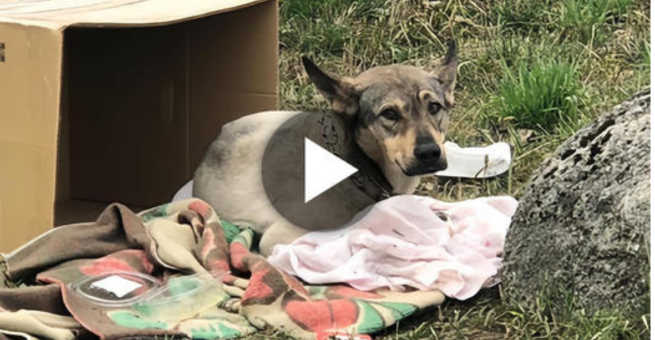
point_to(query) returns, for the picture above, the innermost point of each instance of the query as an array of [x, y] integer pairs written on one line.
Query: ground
[[531, 73]]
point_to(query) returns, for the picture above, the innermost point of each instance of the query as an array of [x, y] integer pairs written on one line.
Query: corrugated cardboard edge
[[30, 144], [52, 24]]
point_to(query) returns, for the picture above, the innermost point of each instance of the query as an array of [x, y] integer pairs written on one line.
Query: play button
[[315, 175], [323, 170]]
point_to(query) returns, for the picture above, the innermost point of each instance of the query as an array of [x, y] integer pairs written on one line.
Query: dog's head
[[400, 113]]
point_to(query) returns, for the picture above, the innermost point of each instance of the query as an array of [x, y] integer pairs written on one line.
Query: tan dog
[[398, 116]]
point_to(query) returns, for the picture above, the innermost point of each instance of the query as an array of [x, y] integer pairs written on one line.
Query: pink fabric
[[408, 241]]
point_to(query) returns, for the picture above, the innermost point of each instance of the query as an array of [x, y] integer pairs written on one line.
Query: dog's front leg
[[280, 232]]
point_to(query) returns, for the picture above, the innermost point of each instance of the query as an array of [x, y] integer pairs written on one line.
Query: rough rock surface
[[583, 222]]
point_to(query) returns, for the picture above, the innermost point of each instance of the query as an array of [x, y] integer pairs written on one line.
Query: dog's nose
[[429, 152]]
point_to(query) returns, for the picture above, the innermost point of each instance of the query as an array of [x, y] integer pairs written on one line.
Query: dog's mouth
[[419, 169]]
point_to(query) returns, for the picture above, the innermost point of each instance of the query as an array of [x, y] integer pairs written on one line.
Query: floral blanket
[[181, 238]]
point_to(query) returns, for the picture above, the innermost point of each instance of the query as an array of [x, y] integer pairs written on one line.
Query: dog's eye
[[434, 108], [390, 114]]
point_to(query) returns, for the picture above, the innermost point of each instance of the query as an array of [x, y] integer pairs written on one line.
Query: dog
[[396, 115]]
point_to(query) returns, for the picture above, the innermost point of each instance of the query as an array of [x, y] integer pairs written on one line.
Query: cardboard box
[[117, 101]]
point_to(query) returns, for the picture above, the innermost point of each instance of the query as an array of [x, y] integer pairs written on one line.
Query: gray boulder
[[583, 222]]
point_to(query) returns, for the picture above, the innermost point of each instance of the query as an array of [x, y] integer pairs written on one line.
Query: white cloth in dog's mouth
[[476, 162]]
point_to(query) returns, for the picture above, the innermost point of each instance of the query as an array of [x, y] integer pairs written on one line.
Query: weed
[[523, 15], [586, 19], [544, 96]]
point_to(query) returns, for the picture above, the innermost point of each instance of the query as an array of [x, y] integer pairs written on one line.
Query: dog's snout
[[428, 152]]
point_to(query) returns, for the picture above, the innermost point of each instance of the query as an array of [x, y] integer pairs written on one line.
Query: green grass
[[544, 96], [523, 15], [547, 66], [589, 19], [644, 54], [552, 318]]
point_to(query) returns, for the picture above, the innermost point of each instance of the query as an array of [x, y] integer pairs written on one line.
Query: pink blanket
[[408, 241]]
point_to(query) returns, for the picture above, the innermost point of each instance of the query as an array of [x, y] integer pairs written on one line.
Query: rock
[[583, 222]]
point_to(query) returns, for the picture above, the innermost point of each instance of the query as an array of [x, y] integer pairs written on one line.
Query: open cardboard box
[[117, 101]]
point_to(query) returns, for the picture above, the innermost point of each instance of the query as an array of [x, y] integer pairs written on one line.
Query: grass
[[544, 96], [543, 67], [589, 19], [485, 319]]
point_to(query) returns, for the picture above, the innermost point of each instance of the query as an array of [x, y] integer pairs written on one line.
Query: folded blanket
[[410, 241], [174, 239]]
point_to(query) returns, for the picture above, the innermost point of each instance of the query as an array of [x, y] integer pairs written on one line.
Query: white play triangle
[[323, 170]]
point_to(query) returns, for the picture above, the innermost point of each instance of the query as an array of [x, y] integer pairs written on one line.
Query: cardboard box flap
[[57, 14]]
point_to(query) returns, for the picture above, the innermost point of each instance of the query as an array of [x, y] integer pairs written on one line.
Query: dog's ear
[[339, 91], [447, 73]]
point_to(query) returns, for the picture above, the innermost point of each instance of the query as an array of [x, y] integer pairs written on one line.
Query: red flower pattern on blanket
[[322, 315], [121, 261]]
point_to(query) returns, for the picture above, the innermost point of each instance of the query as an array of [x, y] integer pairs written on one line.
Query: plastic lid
[[115, 289], [182, 297]]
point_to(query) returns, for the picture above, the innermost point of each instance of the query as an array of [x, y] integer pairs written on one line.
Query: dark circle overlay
[[283, 173]]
